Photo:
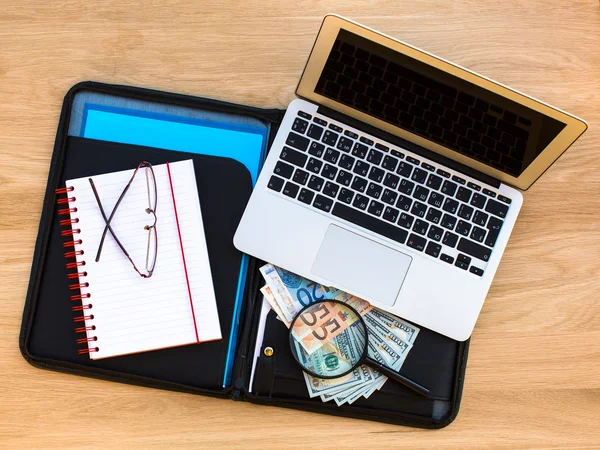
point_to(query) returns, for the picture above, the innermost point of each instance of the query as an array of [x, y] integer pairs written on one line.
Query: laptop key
[[477, 234], [478, 200], [351, 134], [404, 203], [474, 186], [458, 179], [360, 201], [436, 199], [390, 214], [434, 215], [450, 206], [419, 175], [447, 258], [480, 218], [404, 169], [346, 162], [291, 189], [316, 149], [304, 115], [306, 196], [360, 150], [374, 190], [463, 227], [330, 189], [406, 187], [275, 183], [293, 157], [359, 184], [464, 259], [389, 196], [491, 238], [315, 132], [376, 208], [365, 140], [460, 262], [323, 203], [474, 249], [410, 159], [329, 171], [504, 199], [496, 208], [345, 144], [429, 167], [330, 138], [334, 127], [344, 178], [435, 233], [346, 195], [434, 182], [314, 165], [397, 154], [450, 239], [443, 173], [449, 188], [299, 125], [283, 169], [465, 211], [420, 227], [488, 192], [421, 193], [405, 220], [369, 222], [416, 242], [297, 141], [433, 249], [331, 155], [376, 174], [320, 121], [448, 221], [361, 168], [419, 209], [476, 270], [374, 156], [315, 183], [391, 180], [300, 177], [389, 163], [464, 194]]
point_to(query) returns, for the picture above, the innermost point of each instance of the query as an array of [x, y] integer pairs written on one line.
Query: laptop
[[396, 177]]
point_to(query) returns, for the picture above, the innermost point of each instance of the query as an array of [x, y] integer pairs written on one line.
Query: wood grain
[[533, 375]]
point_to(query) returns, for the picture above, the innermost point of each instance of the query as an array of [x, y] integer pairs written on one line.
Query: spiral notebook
[[122, 312]]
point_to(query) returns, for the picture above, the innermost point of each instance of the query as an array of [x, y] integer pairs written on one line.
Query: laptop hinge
[[484, 178]]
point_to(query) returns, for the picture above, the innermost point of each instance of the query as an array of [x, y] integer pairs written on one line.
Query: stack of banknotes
[[390, 339]]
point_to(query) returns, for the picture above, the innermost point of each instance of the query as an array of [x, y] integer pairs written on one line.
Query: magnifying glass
[[346, 346]]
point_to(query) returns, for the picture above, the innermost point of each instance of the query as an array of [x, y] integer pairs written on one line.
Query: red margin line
[[182, 253]]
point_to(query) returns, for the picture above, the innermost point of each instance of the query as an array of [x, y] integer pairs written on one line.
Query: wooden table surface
[[533, 377]]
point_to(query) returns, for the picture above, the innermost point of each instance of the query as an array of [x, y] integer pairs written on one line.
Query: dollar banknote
[[388, 339]]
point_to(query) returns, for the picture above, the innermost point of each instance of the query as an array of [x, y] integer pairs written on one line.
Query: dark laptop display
[[434, 104]]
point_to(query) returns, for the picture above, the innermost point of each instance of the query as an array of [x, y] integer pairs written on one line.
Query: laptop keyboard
[[389, 192]]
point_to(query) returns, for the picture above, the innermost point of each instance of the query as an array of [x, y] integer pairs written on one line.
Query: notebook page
[[134, 314]]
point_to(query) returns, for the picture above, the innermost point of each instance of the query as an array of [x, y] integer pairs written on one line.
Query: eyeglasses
[[152, 248]]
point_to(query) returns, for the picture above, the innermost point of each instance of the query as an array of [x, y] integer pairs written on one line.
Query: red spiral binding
[[78, 286], [64, 211], [81, 307], [77, 275], [83, 351], [72, 243], [70, 232]]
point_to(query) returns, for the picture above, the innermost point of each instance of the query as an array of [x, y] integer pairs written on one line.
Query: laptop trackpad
[[369, 269]]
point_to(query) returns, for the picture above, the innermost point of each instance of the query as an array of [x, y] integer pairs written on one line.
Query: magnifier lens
[[328, 339]]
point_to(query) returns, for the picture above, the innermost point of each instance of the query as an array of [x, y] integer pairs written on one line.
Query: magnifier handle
[[397, 377]]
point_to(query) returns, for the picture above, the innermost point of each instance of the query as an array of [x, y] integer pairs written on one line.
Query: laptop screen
[[448, 110]]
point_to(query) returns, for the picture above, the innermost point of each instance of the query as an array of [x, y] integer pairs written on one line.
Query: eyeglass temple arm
[[107, 221]]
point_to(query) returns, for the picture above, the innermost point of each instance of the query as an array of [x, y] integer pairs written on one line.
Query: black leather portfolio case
[[48, 338]]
